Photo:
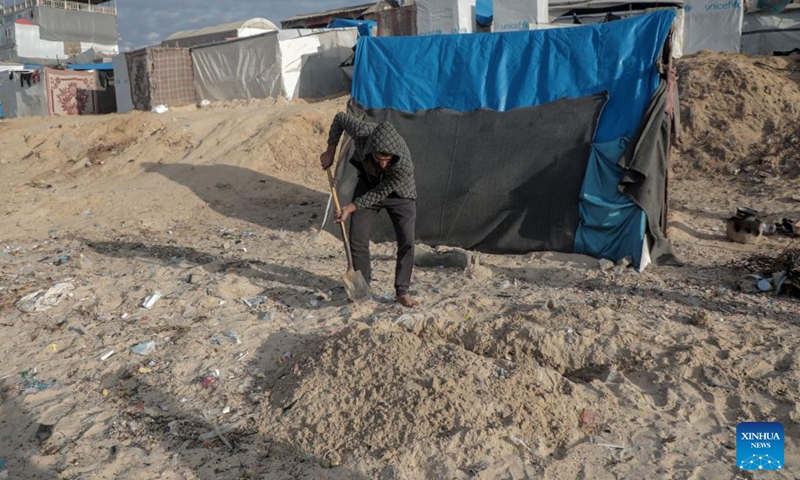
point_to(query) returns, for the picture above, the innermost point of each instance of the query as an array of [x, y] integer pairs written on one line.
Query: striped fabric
[[161, 76], [172, 77]]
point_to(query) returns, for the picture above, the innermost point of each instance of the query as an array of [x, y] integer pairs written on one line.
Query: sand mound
[[738, 114], [426, 396]]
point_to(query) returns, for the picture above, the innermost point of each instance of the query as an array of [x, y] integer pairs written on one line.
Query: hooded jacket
[[369, 137]]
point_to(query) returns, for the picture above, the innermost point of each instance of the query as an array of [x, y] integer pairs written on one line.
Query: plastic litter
[[764, 285], [79, 329], [234, 336], [313, 303], [144, 348], [208, 380], [151, 300], [255, 301], [285, 357], [203, 103], [477, 468], [107, 355], [41, 300], [62, 260], [159, 109], [266, 316], [518, 442]]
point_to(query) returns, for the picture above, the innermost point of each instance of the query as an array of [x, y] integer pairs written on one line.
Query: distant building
[[368, 11], [49, 31], [220, 33]]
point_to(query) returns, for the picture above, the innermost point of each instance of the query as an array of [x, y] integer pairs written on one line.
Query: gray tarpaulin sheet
[[60, 25], [243, 68], [22, 101], [497, 182], [644, 179]]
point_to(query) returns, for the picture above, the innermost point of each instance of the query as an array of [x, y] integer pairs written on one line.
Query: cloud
[[147, 22]]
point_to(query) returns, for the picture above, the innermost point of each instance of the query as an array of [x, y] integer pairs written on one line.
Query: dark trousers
[[403, 213]]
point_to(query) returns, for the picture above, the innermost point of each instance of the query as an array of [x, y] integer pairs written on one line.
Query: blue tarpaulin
[[503, 71], [91, 66], [364, 26], [484, 12]]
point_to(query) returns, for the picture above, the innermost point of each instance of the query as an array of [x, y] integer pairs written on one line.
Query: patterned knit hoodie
[[370, 137]]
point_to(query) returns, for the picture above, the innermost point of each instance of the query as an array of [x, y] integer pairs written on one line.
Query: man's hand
[[326, 159], [345, 213]]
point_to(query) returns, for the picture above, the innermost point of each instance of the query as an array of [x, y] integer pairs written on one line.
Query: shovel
[[354, 283]]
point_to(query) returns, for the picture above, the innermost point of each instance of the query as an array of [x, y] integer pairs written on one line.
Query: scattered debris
[[44, 432], [43, 300], [151, 300], [144, 348], [107, 355], [588, 422], [606, 264], [255, 301], [744, 227]]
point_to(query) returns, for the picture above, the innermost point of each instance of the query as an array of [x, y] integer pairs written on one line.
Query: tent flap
[[489, 180]]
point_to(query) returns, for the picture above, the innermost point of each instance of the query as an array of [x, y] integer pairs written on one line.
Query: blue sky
[[147, 22]]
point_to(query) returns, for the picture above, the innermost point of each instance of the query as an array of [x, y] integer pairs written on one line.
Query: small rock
[[551, 304], [606, 264]]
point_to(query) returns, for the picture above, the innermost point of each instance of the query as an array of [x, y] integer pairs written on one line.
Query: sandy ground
[[535, 366]]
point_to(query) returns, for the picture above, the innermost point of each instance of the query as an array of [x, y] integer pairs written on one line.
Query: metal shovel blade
[[355, 286]]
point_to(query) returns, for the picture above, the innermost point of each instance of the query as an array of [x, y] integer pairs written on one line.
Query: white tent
[[291, 63], [767, 33]]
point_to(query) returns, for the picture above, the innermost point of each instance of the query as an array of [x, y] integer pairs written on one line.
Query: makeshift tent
[[766, 33], [539, 140], [292, 63], [220, 33], [20, 99], [714, 25], [160, 76]]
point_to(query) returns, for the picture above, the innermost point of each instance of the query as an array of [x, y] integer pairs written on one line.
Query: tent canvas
[[597, 214], [238, 69], [310, 62], [122, 84], [766, 33], [22, 100], [292, 63]]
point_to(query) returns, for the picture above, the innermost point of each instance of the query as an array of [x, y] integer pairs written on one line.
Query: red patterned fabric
[[70, 92]]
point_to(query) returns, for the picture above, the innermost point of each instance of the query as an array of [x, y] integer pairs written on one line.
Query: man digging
[[385, 181]]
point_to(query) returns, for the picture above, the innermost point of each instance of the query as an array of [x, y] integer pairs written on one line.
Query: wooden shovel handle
[[339, 209]]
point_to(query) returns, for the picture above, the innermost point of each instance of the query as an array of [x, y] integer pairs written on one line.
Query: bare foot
[[407, 301]]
